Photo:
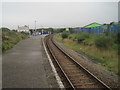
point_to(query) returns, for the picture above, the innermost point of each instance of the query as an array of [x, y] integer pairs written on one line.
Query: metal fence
[[99, 29]]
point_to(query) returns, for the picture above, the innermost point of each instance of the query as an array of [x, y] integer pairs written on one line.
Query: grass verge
[[104, 57]]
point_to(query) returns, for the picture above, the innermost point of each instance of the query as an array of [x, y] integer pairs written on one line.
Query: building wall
[[23, 29], [99, 29]]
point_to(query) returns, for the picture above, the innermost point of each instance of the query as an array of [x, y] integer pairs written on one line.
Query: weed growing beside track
[[102, 49]]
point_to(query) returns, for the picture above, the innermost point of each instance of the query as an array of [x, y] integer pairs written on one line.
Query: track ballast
[[76, 75]]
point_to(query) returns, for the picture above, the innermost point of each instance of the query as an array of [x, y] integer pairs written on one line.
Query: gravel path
[[106, 76]]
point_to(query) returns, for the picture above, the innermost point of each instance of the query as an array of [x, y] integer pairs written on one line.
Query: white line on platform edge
[[53, 68]]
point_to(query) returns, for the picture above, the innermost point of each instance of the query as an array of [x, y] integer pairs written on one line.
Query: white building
[[23, 29]]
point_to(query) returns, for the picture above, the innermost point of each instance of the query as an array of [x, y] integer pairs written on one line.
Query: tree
[[71, 30], [5, 29]]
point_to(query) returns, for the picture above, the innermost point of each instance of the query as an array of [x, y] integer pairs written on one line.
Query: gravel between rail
[[78, 76], [106, 76]]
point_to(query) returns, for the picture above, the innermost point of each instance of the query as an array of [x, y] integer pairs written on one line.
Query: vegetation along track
[[76, 75]]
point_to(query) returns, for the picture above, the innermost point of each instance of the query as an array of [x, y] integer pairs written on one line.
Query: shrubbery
[[64, 35], [81, 37], [10, 38], [116, 38], [103, 42]]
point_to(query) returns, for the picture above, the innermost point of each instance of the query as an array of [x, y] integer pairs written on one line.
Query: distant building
[[23, 29], [66, 30], [93, 28], [96, 28]]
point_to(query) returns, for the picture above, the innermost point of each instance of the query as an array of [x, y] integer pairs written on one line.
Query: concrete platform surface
[[26, 66]]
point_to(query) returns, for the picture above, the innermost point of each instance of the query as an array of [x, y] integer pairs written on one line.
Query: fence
[[99, 29]]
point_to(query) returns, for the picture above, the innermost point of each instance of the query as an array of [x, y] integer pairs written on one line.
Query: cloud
[[58, 14], [60, 0]]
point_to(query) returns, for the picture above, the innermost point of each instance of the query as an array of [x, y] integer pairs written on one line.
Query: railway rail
[[76, 75]]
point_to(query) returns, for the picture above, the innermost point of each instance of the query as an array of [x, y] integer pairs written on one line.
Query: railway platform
[[27, 66]]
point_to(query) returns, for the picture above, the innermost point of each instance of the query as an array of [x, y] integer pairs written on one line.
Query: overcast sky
[[57, 14]]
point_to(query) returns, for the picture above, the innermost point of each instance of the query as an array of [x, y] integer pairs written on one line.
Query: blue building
[[96, 28]]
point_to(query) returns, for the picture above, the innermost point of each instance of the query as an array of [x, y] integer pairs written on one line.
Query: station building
[[23, 29]]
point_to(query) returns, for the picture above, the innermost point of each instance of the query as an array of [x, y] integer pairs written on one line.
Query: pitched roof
[[67, 29], [93, 25]]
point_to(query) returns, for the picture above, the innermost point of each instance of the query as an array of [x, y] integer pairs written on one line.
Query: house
[[23, 29]]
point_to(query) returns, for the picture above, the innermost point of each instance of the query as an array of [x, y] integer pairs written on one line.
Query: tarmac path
[[23, 65]]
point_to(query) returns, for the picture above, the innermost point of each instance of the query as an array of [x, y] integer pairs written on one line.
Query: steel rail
[[67, 78], [74, 61]]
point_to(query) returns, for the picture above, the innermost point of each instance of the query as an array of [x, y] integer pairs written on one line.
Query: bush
[[64, 35], [5, 29], [116, 38], [107, 33], [81, 37], [103, 42], [6, 46], [10, 38], [70, 37], [116, 47]]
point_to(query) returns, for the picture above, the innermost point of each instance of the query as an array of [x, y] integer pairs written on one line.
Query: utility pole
[[35, 27], [42, 30]]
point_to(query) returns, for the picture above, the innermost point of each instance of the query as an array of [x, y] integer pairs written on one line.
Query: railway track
[[76, 75]]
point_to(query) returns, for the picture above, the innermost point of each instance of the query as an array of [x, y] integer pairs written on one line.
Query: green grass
[[104, 57]]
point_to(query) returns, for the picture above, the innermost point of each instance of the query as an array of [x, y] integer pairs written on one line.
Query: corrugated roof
[[93, 25]]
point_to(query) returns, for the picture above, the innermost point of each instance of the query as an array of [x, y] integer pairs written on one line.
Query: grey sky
[[57, 14]]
